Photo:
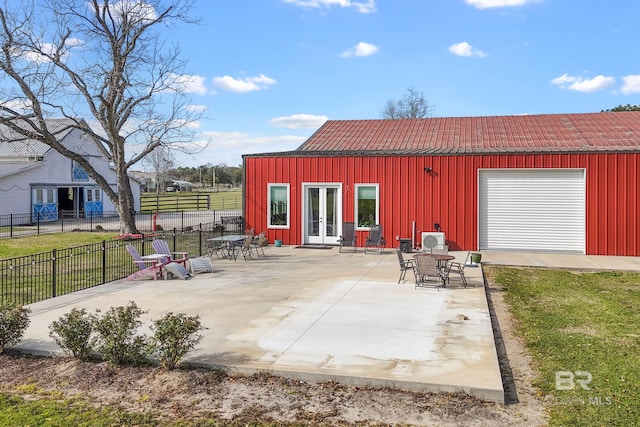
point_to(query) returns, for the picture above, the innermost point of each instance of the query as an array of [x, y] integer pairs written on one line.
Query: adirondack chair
[[145, 266], [162, 247]]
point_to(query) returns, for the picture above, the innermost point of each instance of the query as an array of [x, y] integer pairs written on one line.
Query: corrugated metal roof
[[588, 132], [16, 146]]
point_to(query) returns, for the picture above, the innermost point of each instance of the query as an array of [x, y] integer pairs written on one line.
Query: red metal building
[[549, 183]]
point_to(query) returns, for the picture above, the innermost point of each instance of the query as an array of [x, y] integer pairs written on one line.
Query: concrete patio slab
[[316, 315], [559, 260]]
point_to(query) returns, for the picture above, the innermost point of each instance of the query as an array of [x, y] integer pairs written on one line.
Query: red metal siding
[[449, 194]]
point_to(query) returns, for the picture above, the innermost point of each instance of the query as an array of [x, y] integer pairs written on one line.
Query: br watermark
[[571, 380], [567, 380]]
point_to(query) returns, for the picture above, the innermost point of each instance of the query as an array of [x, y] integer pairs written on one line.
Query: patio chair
[[213, 247], [145, 267], [245, 248], [259, 243], [458, 268], [348, 236], [162, 247], [427, 271], [375, 239], [405, 265]]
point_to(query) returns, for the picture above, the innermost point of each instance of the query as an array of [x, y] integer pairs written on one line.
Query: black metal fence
[[32, 278], [17, 225]]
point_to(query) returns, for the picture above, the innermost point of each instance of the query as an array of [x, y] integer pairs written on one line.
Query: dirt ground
[[197, 394]]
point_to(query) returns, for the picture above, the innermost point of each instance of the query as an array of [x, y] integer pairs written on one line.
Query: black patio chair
[[458, 268], [375, 239], [405, 265], [348, 236]]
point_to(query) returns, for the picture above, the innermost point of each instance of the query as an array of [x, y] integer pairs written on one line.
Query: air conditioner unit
[[432, 239]]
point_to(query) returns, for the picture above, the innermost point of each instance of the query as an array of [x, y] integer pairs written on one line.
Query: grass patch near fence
[[30, 271], [28, 245], [581, 328], [222, 200]]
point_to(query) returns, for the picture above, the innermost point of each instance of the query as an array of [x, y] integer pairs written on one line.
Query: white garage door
[[532, 210]]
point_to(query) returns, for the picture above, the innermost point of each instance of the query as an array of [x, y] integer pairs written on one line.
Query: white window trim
[[355, 203], [288, 224]]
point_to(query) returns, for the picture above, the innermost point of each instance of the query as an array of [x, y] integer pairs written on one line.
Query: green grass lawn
[[81, 261], [28, 245], [582, 330], [221, 200]]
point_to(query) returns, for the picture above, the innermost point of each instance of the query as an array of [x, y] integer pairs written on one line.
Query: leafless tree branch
[[106, 60]]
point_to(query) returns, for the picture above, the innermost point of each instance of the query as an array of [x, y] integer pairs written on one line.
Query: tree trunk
[[125, 206], [129, 74]]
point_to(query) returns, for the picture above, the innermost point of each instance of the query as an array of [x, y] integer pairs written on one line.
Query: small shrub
[[72, 332], [174, 336], [116, 338], [14, 321]]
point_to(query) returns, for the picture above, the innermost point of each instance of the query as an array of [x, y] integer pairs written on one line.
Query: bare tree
[[160, 160], [106, 60], [413, 105]]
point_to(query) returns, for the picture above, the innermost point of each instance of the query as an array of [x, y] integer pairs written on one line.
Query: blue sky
[[268, 73]]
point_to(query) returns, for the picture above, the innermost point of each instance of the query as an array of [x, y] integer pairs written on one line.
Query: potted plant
[[476, 258]]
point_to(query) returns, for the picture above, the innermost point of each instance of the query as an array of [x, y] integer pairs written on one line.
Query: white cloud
[[361, 49], [563, 79], [361, 7], [50, 49], [196, 108], [580, 84], [135, 10], [299, 121], [248, 84], [189, 124], [631, 84], [228, 147], [465, 49], [187, 83], [74, 42], [487, 4], [18, 105], [37, 57]]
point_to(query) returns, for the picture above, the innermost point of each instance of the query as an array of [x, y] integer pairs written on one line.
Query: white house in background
[[36, 179]]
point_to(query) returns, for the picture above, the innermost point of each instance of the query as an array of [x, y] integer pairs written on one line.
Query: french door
[[44, 205], [322, 213], [92, 202]]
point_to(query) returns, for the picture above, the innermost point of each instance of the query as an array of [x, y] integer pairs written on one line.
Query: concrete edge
[[490, 395]]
